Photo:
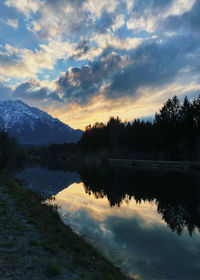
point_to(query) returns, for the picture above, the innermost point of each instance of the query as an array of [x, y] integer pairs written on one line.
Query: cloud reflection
[[133, 236]]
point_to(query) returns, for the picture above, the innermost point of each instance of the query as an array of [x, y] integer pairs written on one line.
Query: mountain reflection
[[177, 195]]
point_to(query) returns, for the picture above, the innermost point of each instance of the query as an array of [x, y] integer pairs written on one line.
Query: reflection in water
[[48, 182], [146, 222], [177, 195], [133, 236]]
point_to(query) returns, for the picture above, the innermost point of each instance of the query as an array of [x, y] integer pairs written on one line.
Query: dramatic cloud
[[154, 65], [34, 91], [150, 65], [79, 84], [91, 57]]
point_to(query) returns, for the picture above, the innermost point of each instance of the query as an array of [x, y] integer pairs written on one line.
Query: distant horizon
[[144, 118], [86, 60]]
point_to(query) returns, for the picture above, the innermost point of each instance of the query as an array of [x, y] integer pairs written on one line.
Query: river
[[146, 222]]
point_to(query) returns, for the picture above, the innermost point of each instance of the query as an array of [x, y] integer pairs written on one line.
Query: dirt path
[[21, 255], [36, 245]]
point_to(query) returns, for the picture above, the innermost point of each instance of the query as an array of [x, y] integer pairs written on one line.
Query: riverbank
[[133, 163], [36, 245], [156, 164]]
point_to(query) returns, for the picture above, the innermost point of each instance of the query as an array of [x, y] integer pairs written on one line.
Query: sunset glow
[[83, 61]]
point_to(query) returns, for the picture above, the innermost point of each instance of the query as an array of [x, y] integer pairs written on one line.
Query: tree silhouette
[[174, 135]]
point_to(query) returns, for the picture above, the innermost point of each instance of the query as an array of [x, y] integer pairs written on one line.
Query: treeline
[[174, 134], [12, 155]]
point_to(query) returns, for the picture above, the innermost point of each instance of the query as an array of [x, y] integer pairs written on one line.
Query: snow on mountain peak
[[30, 124]]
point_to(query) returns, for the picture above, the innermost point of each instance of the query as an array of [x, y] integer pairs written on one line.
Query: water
[[146, 222]]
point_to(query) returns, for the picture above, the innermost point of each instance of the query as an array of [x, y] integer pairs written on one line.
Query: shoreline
[[155, 164], [35, 244], [134, 163]]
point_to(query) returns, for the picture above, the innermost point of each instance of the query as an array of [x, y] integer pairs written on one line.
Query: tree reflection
[[177, 195]]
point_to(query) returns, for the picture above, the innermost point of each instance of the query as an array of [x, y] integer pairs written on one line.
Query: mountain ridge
[[31, 125]]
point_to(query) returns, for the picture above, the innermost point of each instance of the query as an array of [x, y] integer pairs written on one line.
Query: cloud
[[30, 90], [118, 22], [35, 91], [49, 18], [25, 63], [60, 18], [153, 64], [106, 51], [25, 6], [85, 51], [57, 49], [187, 22], [96, 7], [149, 16], [78, 51], [11, 22], [129, 5], [5, 91], [108, 40], [80, 84], [100, 107], [103, 42], [65, 19]]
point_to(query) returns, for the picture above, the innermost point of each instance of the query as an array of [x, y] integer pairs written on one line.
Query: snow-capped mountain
[[33, 126]]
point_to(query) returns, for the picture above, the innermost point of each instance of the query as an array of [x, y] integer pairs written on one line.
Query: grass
[[57, 239], [53, 268]]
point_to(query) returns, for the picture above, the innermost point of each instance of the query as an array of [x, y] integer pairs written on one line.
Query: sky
[[83, 61]]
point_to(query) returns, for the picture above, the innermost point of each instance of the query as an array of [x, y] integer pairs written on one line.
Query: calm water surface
[[147, 223]]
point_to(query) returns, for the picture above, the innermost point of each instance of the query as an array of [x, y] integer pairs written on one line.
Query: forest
[[173, 135], [12, 155]]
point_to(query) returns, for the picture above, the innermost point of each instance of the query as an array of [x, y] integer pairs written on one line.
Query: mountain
[[33, 126]]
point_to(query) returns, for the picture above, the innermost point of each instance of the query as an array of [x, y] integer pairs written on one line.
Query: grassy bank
[[35, 244]]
